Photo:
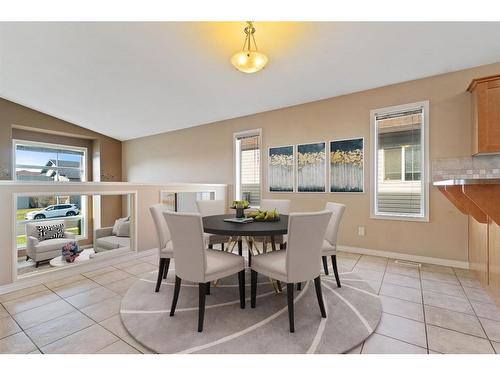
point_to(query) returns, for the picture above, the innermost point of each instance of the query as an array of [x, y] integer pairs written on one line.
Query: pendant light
[[249, 60]]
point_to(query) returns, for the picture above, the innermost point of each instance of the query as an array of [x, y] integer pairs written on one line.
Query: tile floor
[[427, 309]]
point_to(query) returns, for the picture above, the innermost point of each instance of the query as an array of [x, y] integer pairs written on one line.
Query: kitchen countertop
[[468, 181]]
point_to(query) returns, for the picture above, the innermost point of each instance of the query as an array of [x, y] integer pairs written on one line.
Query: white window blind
[[248, 160]]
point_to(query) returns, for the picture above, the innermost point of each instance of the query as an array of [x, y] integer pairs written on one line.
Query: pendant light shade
[[249, 59]]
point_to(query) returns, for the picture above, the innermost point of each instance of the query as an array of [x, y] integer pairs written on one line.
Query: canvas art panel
[[311, 167], [346, 166], [281, 162]]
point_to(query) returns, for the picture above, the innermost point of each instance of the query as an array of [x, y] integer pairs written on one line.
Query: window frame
[[424, 159], [237, 161]]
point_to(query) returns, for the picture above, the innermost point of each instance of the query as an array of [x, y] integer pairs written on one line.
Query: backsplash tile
[[483, 166]]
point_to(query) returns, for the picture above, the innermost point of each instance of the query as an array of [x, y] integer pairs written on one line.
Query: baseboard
[[55, 274], [402, 256]]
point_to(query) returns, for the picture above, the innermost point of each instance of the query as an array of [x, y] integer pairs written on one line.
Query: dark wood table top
[[216, 225]]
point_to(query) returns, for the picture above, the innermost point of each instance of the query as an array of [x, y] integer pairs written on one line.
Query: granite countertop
[[467, 181]]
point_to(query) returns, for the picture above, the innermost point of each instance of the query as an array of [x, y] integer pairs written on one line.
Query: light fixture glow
[[249, 60]]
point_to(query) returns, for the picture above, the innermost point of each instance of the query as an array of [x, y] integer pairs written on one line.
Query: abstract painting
[[280, 169], [346, 166], [311, 167]]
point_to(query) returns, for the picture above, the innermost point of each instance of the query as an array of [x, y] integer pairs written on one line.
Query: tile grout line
[[477, 317], [423, 308]]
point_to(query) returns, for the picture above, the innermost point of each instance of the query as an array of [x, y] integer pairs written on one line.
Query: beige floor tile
[[496, 346], [444, 288], [403, 329], [399, 269], [70, 289], [460, 272], [115, 326], [87, 341], [486, 310], [30, 301], [132, 342], [122, 286], [355, 350], [140, 268], [405, 309], [152, 259], [119, 347], [346, 264], [104, 309], [470, 282], [3, 312], [16, 344], [35, 352], [375, 285], [446, 341], [464, 323], [372, 263], [21, 293], [492, 328], [447, 302], [437, 269], [478, 295], [90, 297], [8, 327], [401, 292], [438, 276], [100, 271], [64, 281], [367, 274], [109, 277], [378, 344], [42, 314], [346, 255], [410, 282], [129, 263], [55, 329]]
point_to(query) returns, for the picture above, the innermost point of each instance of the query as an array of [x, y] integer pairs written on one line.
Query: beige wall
[[204, 154]]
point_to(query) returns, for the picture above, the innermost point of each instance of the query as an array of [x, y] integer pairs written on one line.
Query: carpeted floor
[[353, 313]]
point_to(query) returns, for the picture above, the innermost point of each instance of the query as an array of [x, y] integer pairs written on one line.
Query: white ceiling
[[129, 80]]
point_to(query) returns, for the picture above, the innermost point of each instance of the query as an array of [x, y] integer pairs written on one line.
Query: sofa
[[115, 237], [40, 250]]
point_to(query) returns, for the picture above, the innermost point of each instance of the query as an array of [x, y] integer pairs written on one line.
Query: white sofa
[[105, 240], [39, 250]]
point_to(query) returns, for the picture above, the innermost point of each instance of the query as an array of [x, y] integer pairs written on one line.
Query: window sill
[[424, 219]]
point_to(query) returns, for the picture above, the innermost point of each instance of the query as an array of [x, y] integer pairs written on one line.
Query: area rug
[[353, 313]]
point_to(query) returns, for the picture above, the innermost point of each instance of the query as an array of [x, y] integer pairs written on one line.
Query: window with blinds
[[399, 189], [247, 160]]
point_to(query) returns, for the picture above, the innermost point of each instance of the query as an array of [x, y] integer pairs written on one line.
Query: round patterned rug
[[353, 313]]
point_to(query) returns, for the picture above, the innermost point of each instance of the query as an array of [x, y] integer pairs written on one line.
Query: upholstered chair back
[[211, 207], [186, 230], [306, 232], [337, 210], [31, 227], [162, 231], [281, 205]]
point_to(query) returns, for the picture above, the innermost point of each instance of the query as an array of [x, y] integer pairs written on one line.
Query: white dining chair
[[165, 249], [211, 207], [196, 264], [299, 262], [329, 247]]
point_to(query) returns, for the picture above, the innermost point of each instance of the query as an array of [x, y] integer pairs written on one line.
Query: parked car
[[55, 210]]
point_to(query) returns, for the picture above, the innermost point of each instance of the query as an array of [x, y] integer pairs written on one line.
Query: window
[[247, 166], [399, 173], [45, 162]]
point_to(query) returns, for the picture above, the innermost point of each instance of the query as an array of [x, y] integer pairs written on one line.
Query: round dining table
[[215, 224]]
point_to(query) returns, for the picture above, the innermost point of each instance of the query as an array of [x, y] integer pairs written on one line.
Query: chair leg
[[27, 258], [202, 290], [36, 264], [319, 294], [325, 265], [177, 289], [282, 246], [299, 286], [210, 246], [253, 289], [289, 294], [241, 281], [161, 268], [335, 270], [165, 270], [208, 288], [222, 246]]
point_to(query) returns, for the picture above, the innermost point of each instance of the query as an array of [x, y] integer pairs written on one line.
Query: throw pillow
[[48, 232], [123, 229], [117, 224]]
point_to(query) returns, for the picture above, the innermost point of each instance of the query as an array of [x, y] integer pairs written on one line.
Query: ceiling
[[129, 80]]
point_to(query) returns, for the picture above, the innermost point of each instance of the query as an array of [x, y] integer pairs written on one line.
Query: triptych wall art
[[303, 168]]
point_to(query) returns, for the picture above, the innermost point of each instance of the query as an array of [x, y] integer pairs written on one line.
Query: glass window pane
[[392, 164], [35, 155], [249, 169]]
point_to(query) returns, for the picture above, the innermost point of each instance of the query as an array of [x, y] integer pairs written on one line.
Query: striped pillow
[[48, 232]]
